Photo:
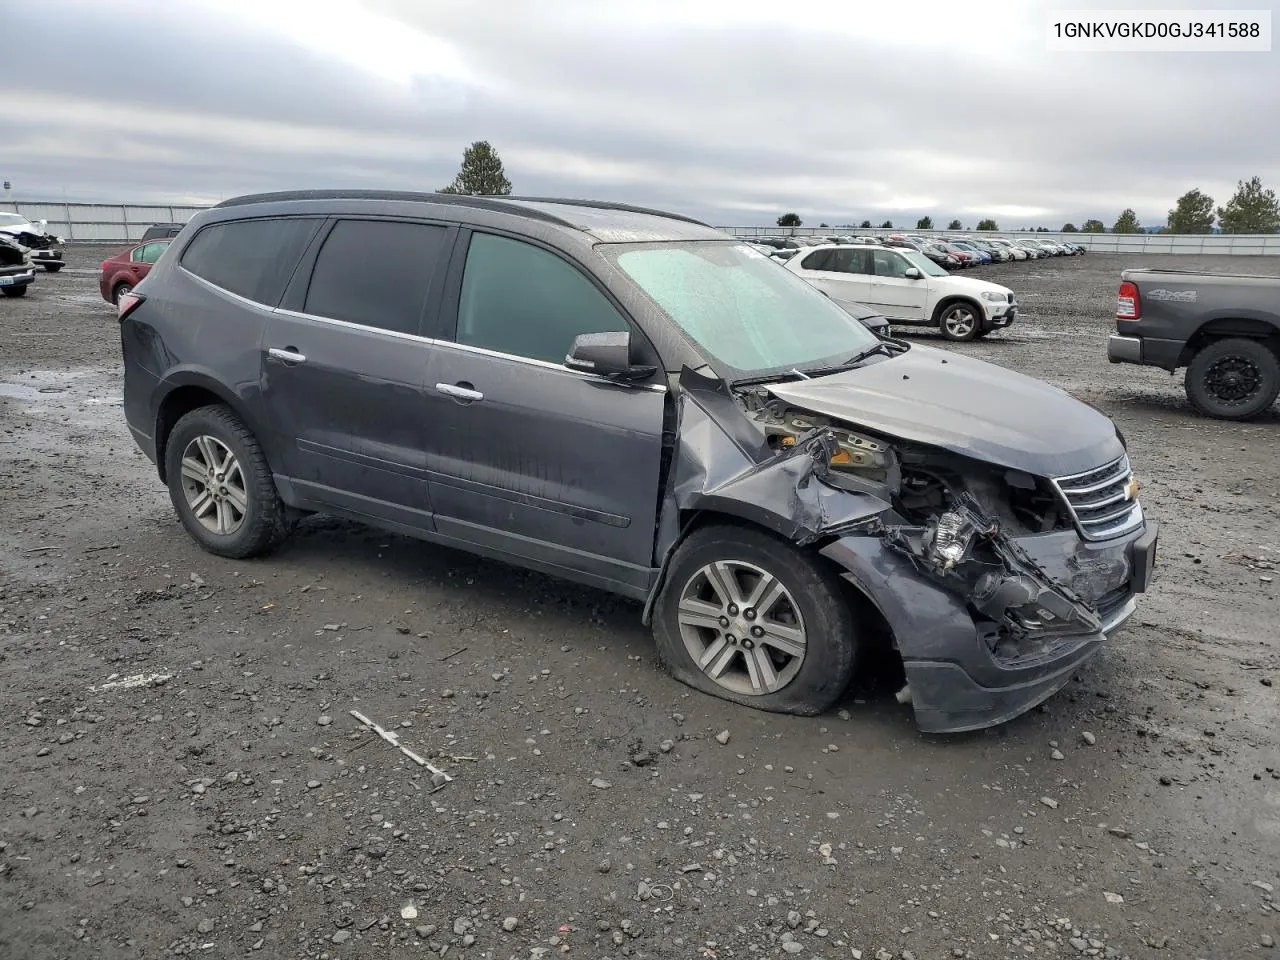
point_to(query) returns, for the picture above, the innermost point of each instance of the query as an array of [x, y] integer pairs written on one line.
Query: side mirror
[[913, 273], [606, 355]]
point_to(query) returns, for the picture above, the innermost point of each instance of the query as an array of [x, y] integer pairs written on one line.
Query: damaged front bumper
[[965, 673]]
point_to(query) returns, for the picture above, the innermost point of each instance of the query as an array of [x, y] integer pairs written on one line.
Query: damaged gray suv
[[635, 401]]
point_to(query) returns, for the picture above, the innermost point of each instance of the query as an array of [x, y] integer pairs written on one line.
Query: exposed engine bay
[[954, 518]]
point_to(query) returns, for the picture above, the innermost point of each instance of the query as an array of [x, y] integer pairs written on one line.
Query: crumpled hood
[[967, 406]]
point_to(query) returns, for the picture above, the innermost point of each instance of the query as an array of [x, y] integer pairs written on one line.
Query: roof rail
[[501, 203]]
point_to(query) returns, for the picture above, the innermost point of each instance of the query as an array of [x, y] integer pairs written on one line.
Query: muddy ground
[[230, 804]]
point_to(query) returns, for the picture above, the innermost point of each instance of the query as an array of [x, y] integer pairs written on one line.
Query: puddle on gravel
[[84, 397]]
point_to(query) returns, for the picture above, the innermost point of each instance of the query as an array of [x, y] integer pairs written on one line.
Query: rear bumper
[[1124, 349], [956, 681], [1148, 351]]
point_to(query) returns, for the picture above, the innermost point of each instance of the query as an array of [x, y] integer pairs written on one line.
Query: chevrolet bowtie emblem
[[1131, 489]]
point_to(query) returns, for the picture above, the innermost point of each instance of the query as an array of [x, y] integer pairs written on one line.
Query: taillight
[[1128, 303], [127, 304]]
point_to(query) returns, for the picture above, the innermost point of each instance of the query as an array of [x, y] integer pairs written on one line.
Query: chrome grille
[[1100, 501]]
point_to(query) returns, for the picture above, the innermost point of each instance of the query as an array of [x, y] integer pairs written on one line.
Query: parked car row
[[950, 253], [26, 245]]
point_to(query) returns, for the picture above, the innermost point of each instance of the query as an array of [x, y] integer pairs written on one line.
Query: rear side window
[[376, 273], [252, 258], [522, 300], [822, 260]]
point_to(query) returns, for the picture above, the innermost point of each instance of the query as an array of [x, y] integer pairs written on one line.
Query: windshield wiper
[[853, 361], [880, 347]]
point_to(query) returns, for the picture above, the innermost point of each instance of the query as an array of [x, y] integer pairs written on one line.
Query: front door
[[343, 375], [892, 293], [526, 457]]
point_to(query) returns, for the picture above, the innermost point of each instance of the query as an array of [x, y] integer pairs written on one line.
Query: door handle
[[287, 354], [459, 391]]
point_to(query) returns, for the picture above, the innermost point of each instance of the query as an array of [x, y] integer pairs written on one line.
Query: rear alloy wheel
[[221, 485], [120, 291], [1234, 379], [752, 619], [960, 321]]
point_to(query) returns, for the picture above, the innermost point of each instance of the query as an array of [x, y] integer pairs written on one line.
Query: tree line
[[1252, 209]]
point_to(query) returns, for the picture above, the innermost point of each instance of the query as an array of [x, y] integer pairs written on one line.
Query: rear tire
[[221, 485], [1233, 379], [119, 291], [790, 648], [14, 291]]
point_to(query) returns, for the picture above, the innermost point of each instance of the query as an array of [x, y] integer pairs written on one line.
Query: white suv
[[907, 288]]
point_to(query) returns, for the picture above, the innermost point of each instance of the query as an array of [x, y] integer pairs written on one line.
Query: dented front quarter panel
[[723, 465], [959, 678]]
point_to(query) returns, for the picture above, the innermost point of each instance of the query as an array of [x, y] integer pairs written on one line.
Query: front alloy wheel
[[742, 627], [960, 322], [749, 617]]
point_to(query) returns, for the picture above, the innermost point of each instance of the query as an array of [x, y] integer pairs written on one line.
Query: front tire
[[750, 618], [960, 321], [221, 485], [1233, 379], [14, 291], [52, 267]]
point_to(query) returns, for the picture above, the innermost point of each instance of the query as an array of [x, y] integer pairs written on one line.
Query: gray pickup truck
[[1223, 327]]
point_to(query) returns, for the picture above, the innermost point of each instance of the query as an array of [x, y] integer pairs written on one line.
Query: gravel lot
[[181, 775]]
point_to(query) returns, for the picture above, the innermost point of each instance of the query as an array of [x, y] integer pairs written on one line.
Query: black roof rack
[[500, 203]]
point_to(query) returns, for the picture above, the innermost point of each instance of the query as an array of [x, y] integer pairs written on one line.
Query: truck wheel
[[750, 618], [221, 485], [1233, 379], [960, 321]]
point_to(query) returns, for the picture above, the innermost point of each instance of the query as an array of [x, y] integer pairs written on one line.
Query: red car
[[122, 273]]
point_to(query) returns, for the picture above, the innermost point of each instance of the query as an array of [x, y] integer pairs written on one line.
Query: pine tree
[[481, 174]]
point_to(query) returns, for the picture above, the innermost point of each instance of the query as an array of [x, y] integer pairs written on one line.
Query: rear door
[[843, 273], [526, 457], [896, 296], [344, 361]]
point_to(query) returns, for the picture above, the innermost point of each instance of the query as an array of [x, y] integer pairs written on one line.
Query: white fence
[[1239, 244], [123, 222], [99, 222]]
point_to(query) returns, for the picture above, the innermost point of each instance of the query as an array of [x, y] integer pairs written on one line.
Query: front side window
[[252, 258], [526, 301], [922, 263], [376, 273], [889, 264], [741, 309]]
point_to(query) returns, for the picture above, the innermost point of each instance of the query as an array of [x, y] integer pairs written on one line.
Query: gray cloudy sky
[[731, 110]]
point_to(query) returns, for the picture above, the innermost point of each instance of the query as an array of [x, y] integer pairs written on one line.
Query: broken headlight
[[952, 534]]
